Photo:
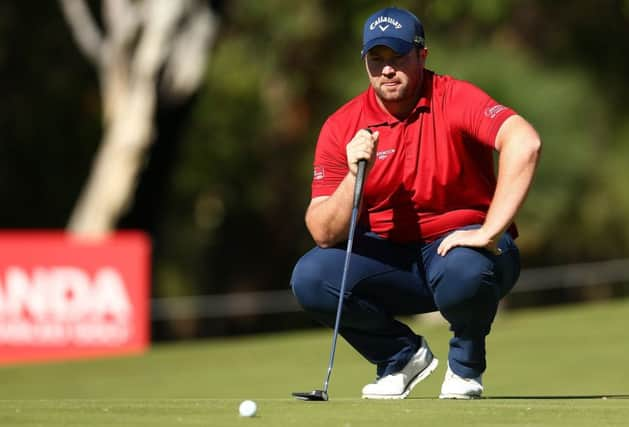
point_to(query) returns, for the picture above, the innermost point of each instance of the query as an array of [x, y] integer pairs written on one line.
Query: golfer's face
[[394, 77]]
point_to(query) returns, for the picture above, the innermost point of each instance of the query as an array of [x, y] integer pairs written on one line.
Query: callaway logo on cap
[[396, 28]]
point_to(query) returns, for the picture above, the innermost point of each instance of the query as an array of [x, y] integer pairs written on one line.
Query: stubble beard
[[402, 94], [397, 95]]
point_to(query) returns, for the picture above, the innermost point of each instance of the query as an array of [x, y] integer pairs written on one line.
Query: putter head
[[312, 396]]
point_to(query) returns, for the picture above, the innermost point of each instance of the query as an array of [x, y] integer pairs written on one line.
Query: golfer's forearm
[[328, 219], [516, 167]]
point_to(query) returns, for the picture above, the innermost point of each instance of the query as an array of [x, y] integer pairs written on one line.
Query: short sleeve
[[475, 114], [330, 161]]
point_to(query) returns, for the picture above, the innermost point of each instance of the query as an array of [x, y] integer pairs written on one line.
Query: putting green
[[561, 366]]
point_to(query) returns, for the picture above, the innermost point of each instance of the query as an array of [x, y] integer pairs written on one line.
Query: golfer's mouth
[[390, 84]]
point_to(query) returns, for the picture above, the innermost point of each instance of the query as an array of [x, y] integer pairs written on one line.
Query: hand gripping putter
[[322, 395]]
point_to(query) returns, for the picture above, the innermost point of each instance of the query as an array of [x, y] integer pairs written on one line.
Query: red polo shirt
[[434, 170]]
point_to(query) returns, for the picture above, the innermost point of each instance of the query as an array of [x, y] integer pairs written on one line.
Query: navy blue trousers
[[387, 280]]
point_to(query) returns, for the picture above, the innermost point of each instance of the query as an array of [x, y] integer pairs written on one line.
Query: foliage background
[[225, 186]]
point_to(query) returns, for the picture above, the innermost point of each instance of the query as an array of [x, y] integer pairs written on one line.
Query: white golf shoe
[[456, 387], [400, 384]]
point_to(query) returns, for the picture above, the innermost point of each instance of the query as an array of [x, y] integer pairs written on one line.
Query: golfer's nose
[[388, 70]]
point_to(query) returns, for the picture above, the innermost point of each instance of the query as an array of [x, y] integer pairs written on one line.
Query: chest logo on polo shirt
[[381, 155], [319, 173]]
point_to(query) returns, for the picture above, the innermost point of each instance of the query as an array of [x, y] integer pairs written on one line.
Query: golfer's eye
[[396, 59]]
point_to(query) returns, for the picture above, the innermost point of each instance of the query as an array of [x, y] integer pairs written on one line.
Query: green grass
[[547, 367]]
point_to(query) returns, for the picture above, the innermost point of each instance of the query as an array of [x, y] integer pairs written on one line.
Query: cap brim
[[400, 46]]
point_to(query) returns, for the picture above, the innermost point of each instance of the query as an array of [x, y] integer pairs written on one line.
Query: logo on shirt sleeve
[[492, 112], [319, 173]]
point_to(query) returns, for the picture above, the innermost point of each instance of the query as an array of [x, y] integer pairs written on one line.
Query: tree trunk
[[142, 41]]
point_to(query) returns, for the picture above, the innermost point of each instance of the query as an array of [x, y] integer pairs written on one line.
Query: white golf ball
[[248, 408]]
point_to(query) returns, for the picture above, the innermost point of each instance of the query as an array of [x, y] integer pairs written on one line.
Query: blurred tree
[[48, 116], [241, 145], [144, 43]]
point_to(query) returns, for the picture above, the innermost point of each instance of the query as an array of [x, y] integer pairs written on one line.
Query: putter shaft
[[360, 178]]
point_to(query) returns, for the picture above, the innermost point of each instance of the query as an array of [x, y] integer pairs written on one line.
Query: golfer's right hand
[[362, 146]]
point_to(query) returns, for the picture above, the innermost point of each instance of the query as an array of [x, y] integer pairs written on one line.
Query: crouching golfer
[[436, 225]]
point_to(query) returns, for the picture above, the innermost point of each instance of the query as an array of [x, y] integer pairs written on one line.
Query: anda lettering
[[63, 305], [63, 294]]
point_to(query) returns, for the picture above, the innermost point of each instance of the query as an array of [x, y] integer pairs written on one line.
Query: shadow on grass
[[542, 397], [551, 397]]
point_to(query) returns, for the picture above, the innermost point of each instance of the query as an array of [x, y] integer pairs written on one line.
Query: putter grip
[[360, 180]]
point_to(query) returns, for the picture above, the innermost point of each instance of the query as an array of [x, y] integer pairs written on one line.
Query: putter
[[322, 395]]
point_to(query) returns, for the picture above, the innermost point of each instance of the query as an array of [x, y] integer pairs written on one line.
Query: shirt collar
[[376, 116]]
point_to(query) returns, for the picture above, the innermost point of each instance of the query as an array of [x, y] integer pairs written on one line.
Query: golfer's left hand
[[471, 238]]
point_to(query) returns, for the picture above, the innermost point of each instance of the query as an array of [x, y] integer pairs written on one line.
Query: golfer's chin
[[391, 93]]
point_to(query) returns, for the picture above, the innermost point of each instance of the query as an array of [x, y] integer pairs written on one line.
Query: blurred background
[[216, 118]]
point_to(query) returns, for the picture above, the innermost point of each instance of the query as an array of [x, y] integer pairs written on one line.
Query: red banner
[[63, 298]]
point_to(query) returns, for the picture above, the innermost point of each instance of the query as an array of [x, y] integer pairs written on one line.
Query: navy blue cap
[[396, 28]]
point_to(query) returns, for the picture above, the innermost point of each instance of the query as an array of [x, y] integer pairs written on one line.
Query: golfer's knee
[[468, 279], [309, 287]]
